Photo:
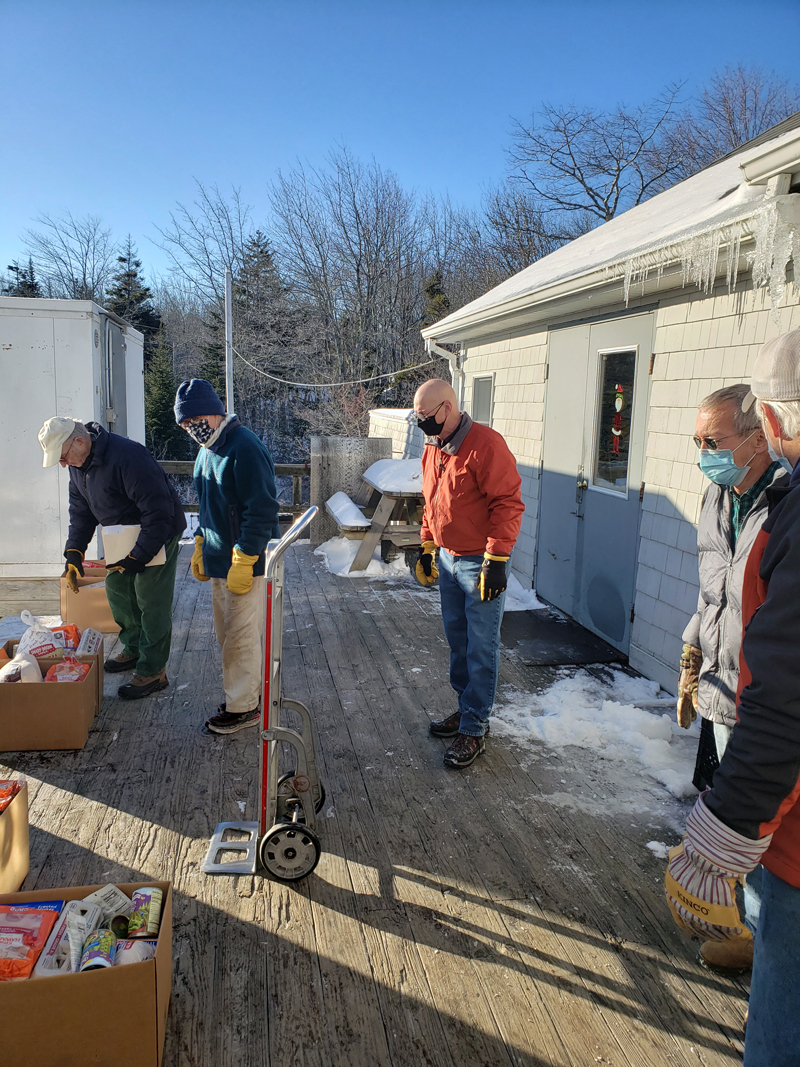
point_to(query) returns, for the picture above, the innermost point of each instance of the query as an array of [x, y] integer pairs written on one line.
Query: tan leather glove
[[74, 568], [691, 662], [426, 572], [197, 560], [240, 574]]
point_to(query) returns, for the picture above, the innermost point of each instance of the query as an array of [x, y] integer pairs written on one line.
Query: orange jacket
[[472, 493]]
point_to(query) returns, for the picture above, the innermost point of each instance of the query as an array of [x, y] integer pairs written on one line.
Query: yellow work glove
[[691, 662], [426, 572], [492, 581], [74, 568], [240, 574], [197, 560]]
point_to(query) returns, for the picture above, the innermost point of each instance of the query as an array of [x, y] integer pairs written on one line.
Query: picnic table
[[396, 507]]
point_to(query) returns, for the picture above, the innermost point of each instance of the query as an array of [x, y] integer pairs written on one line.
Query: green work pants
[[142, 608]]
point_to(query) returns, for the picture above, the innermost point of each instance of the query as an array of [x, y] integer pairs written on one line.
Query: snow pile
[[340, 552], [395, 476], [577, 710], [520, 599], [659, 849], [192, 522]]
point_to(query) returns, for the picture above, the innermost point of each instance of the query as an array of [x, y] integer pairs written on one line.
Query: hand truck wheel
[[284, 792], [289, 851]]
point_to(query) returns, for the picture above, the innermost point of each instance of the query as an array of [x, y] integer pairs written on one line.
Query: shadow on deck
[[455, 917]]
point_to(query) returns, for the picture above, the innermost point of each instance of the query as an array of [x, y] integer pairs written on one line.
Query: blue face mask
[[719, 465], [784, 462]]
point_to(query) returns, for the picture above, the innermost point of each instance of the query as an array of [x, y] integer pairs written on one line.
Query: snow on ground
[[581, 711], [339, 553], [659, 849], [520, 599]]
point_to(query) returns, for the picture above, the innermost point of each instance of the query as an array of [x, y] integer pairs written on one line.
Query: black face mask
[[429, 426], [200, 430]]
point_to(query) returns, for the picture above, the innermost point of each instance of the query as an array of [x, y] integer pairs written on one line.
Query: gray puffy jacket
[[716, 626]]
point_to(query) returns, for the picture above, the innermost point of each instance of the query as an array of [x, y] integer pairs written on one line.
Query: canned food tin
[[98, 950], [134, 952], [146, 914]]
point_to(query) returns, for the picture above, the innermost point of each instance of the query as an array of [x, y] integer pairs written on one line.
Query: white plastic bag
[[37, 639], [22, 668]]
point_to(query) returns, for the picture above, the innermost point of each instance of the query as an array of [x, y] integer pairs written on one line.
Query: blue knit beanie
[[195, 397]]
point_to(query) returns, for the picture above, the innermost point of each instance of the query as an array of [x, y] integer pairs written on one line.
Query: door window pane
[[482, 400], [612, 446]]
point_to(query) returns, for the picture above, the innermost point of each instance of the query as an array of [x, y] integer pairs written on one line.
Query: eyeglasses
[[712, 443], [430, 413], [65, 454]]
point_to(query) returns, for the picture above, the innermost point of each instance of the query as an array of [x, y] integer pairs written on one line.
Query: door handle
[[583, 484]]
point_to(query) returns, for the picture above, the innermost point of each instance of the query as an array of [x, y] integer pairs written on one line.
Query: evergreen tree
[[165, 439], [437, 301], [25, 282], [132, 300]]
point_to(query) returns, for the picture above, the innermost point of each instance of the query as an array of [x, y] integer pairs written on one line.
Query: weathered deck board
[[454, 916]]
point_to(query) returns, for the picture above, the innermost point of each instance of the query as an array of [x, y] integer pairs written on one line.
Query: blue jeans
[[772, 1038], [472, 628]]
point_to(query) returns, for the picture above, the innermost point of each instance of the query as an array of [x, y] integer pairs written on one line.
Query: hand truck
[[284, 838]]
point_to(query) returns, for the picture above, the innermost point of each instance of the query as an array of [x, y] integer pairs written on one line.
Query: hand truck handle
[[276, 549]]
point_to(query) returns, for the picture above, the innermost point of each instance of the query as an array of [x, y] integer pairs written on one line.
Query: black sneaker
[[464, 750], [448, 727], [226, 722], [119, 663]]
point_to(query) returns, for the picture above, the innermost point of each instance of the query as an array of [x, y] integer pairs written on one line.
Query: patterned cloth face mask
[[200, 430]]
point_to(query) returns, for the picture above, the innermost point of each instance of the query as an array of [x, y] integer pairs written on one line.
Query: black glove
[[492, 581], [129, 565], [74, 568]]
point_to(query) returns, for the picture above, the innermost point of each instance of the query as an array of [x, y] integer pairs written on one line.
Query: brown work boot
[[140, 686], [119, 663], [727, 957], [464, 751], [448, 727]]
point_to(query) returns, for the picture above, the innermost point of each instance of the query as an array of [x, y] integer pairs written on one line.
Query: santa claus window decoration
[[617, 371]]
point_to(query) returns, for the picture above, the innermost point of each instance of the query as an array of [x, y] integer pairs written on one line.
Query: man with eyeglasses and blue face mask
[[733, 454], [751, 814]]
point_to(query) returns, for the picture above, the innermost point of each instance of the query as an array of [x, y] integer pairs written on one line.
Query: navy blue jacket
[[121, 484], [235, 483]]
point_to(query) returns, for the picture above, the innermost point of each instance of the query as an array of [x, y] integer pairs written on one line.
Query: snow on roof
[[712, 201]]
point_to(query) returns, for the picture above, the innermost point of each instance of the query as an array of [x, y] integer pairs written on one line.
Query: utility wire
[[330, 385]]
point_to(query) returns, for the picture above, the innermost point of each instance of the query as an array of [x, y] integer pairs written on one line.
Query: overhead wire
[[330, 385]]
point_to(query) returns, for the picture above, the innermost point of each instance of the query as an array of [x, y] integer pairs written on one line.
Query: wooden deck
[[455, 918]]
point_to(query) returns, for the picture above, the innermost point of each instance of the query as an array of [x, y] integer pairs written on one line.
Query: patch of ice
[[339, 553], [579, 710], [241, 804], [520, 599], [658, 848]]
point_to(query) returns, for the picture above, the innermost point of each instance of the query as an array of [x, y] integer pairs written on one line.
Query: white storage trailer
[[57, 357]]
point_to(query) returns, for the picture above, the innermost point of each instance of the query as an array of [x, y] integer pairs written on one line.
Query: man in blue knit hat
[[235, 481]]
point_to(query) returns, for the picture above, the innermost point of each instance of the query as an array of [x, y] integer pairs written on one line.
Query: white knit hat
[[52, 437], [776, 374]]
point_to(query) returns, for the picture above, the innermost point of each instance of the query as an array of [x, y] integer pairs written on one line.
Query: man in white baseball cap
[[52, 437], [751, 814]]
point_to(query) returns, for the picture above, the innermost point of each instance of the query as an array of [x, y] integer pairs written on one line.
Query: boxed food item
[[14, 850], [79, 1009], [44, 717], [89, 606]]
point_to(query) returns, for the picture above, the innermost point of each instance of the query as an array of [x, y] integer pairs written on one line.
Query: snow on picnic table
[[396, 476], [346, 512]]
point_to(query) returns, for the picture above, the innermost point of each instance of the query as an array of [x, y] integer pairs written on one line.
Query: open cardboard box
[[52, 715], [15, 857], [113, 1017], [89, 606]]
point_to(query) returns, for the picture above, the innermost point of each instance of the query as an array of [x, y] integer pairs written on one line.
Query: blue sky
[[114, 108]]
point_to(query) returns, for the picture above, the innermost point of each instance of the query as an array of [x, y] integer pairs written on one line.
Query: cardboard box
[[53, 715], [89, 606], [113, 1017], [15, 856]]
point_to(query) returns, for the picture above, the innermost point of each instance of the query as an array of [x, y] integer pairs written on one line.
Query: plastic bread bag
[[37, 639], [8, 790], [71, 634], [22, 668], [23, 933], [68, 670]]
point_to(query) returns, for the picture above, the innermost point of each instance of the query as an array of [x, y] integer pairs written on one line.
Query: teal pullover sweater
[[235, 483]]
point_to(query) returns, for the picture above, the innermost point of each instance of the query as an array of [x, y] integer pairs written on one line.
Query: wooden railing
[[296, 471]]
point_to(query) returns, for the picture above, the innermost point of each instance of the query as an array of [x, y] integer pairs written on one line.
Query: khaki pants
[[239, 623]]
